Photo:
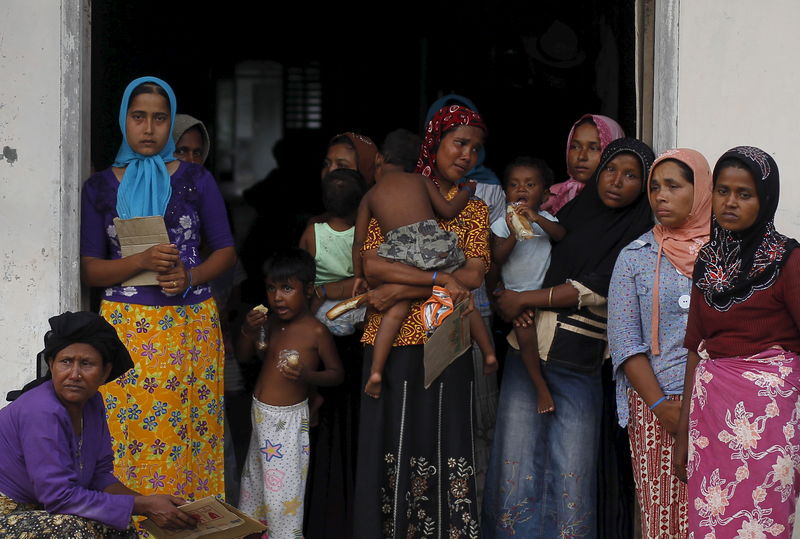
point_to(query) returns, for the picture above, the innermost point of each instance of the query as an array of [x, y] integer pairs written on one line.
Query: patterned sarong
[[662, 496], [28, 520], [744, 446], [166, 414]]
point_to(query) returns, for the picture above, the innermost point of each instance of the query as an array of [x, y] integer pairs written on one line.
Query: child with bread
[[521, 248], [299, 354]]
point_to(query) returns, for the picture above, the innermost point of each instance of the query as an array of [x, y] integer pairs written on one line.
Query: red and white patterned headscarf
[[447, 118]]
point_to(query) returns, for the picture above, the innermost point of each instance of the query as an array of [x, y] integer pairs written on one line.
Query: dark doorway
[[532, 68]]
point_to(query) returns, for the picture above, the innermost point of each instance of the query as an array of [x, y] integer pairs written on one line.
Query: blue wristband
[[659, 401], [435, 274], [186, 292]]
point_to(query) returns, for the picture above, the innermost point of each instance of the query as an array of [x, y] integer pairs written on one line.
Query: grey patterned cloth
[[423, 245]]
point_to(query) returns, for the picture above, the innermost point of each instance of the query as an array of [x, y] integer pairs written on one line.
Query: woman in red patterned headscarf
[[415, 471]]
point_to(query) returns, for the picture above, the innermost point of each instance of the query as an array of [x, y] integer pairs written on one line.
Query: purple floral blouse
[[196, 208]]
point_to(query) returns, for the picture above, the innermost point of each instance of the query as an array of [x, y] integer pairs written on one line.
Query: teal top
[[334, 256]]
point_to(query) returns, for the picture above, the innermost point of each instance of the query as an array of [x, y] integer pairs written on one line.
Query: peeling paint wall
[[738, 79], [40, 171]]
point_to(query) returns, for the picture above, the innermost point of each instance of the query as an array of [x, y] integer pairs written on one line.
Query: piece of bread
[[520, 226], [344, 306], [261, 309]]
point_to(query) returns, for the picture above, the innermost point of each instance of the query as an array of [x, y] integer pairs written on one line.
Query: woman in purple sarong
[[740, 420]]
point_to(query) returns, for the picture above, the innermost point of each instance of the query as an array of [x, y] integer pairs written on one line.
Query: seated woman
[[52, 484]]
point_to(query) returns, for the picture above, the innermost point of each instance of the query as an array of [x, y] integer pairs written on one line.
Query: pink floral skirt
[[744, 446]]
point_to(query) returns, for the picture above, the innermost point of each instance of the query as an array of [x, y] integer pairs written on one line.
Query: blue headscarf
[[480, 173], [145, 188]]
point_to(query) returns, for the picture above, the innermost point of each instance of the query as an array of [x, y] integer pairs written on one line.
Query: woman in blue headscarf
[[165, 414]]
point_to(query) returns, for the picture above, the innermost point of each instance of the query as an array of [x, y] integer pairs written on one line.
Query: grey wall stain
[[10, 154]]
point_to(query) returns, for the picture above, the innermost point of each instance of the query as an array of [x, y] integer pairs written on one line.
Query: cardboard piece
[[216, 520], [137, 235], [449, 341]]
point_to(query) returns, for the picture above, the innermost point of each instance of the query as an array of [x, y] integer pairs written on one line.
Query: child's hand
[[292, 372], [359, 286], [527, 213], [254, 319]]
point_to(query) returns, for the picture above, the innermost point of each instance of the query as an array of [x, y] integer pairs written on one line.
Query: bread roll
[[520, 226], [344, 306]]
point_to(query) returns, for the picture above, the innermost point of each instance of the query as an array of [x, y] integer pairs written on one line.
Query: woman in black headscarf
[[51, 483], [543, 469], [740, 417]]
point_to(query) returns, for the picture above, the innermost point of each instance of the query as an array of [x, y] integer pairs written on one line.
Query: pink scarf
[[561, 193]]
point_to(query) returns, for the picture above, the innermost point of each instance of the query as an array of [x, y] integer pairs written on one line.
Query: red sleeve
[[695, 332], [791, 286]]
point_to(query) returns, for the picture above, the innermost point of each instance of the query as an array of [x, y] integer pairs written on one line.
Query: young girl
[[524, 262], [587, 139]]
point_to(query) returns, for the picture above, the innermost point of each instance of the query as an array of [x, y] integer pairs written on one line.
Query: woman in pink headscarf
[[648, 309], [587, 139]]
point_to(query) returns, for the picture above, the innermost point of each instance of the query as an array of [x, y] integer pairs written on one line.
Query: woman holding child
[[165, 414], [648, 306], [543, 469], [415, 463]]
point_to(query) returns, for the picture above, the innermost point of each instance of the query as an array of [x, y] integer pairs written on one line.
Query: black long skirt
[[331, 474], [415, 475]]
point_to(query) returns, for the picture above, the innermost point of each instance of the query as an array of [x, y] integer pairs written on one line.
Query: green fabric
[[334, 256]]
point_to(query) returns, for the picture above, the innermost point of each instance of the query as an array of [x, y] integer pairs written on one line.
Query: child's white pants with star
[[274, 477]]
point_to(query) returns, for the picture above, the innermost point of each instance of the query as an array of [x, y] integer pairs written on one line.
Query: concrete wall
[[739, 83], [43, 57]]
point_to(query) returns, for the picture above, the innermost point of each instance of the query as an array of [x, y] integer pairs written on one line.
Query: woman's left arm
[[51, 469], [379, 270], [626, 340]]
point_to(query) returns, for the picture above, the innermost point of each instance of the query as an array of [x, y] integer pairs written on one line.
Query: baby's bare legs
[[390, 326], [481, 337], [529, 349]]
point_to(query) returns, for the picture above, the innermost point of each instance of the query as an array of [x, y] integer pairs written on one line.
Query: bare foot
[[489, 364], [373, 387], [544, 401], [313, 409]]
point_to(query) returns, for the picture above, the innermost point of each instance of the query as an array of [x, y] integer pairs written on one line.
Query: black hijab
[[82, 327], [733, 265], [596, 233]]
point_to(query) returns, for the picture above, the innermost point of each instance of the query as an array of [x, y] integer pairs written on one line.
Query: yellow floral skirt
[[166, 414]]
